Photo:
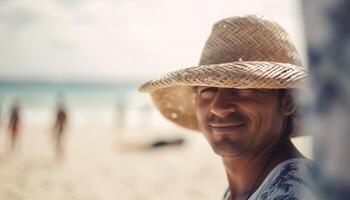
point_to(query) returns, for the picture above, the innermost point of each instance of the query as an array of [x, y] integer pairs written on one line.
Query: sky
[[118, 40]]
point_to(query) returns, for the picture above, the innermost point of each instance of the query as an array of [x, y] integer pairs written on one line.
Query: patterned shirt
[[289, 180]]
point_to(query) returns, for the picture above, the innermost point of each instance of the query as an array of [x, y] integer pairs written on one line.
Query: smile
[[225, 128]]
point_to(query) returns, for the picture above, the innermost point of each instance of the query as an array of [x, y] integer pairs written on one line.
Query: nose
[[223, 105]]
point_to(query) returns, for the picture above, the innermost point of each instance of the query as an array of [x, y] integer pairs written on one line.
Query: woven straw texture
[[241, 52]]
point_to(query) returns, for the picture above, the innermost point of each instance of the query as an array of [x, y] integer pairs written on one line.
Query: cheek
[[261, 119], [202, 116], [267, 122]]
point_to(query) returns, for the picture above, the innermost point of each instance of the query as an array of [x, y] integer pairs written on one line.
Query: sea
[[87, 104]]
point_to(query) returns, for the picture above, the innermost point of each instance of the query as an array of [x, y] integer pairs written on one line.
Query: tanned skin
[[248, 129]]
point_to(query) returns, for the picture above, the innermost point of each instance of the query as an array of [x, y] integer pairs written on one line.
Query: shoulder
[[288, 180]]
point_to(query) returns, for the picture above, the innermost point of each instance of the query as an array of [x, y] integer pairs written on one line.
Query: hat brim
[[173, 93], [241, 75]]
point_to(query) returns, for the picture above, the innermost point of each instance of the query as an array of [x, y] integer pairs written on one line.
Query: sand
[[106, 163]]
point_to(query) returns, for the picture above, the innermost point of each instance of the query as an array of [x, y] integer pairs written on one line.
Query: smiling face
[[240, 122]]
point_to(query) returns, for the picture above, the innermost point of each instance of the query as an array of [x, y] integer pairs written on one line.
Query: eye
[[206, 92]]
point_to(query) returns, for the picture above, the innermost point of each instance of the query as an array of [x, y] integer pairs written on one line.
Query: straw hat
[[241, 52]]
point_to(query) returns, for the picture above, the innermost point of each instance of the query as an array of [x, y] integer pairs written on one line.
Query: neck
[[246, 173]]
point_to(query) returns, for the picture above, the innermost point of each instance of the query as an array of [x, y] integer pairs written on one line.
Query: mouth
[[226, 128]]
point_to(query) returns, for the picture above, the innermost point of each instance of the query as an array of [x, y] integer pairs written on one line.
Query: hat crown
[[248, 39]]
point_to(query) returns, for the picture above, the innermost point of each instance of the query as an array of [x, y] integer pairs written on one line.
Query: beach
[[96, 167], [106, 157], [99, 165]]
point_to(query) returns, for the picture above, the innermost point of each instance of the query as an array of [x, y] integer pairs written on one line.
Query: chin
[[228, 149]]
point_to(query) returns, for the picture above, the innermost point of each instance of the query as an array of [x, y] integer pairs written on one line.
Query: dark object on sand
[[164, 143]]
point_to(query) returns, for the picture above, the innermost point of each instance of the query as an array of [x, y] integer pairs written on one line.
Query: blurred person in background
[[60, 129], [146, 111], [14, 125], [121, 109], [240, 97], [0, 110]]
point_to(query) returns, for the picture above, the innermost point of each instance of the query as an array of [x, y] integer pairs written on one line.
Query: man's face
[[238, 122]]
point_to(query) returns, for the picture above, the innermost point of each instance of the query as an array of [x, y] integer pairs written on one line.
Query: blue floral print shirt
[[289, 180]]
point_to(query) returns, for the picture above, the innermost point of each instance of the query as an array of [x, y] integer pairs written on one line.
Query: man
[[14, 125], [59, 129], [240, 98]]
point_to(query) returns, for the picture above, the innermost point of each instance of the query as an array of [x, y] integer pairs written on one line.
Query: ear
[[288, 103]]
